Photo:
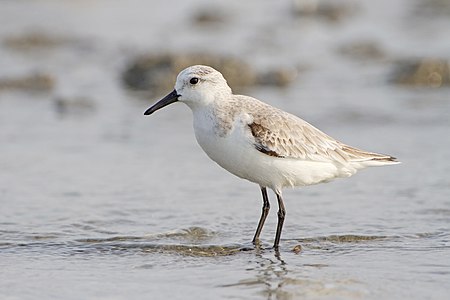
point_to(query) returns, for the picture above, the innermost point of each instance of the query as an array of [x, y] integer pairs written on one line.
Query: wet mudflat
[[99, 202]]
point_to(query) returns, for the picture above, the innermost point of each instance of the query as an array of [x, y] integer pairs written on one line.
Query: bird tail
[[381, 161], [371, 159]]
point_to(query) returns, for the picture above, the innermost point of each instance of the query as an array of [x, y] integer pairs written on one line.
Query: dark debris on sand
[[155, 74], [35, 82], [422, 72]]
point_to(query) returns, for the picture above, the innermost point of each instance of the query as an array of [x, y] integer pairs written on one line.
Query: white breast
[[231, 149]]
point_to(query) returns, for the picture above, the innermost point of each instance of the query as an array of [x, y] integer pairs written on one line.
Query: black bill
[[171, 98]]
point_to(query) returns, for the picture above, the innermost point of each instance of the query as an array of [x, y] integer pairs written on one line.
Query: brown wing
[[283, 135]]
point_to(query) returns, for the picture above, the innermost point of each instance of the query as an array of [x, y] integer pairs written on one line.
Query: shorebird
[[261, 143]]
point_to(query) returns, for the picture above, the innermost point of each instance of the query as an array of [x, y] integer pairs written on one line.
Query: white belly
[[236, 153]]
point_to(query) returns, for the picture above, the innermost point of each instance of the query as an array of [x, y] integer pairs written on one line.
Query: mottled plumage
[[287, 136]]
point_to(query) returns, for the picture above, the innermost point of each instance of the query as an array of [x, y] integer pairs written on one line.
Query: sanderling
[[260, 143]]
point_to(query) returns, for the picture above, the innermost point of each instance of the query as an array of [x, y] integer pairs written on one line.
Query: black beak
[[171, 98]]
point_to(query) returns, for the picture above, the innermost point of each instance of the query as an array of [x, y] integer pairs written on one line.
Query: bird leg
[[281, 215], [265, 212]]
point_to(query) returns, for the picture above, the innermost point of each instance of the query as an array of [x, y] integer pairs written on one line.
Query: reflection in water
[[272, 272], [275, 278]]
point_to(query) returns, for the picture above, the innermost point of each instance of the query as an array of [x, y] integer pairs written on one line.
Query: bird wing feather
[[280, 134]]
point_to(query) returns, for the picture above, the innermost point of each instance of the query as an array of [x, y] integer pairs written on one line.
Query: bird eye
[[194, 80]]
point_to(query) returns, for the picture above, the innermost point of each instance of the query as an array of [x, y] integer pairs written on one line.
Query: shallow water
[[99, 202]]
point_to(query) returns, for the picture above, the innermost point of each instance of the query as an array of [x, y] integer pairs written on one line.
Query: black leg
[[265, 212], [281, 215]]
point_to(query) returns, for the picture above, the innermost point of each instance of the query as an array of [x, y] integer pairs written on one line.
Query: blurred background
[[89, 186]]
